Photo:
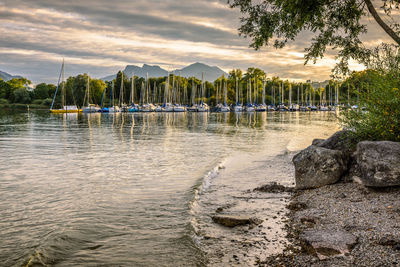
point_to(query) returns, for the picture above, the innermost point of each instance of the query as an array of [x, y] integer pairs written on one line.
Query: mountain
[[6, 77], [196, 69]]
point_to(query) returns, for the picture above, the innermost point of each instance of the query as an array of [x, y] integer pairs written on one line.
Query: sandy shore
[[372, 216]]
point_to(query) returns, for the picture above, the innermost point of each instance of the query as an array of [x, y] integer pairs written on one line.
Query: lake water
[[139, 189]]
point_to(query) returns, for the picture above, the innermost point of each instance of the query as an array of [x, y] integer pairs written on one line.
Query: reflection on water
[[123, 189]]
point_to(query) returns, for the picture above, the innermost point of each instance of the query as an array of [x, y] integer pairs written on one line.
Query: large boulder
[[325, 243], [379, 163], [342, 140], [318, 166]]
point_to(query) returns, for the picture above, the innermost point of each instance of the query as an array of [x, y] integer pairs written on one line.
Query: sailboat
[[146, 106], [134, 107], [167, 106], [121, 103], [225, 107], [90, 108], [193, 108], [272, 107], [178, 107], [65, 108], [249, 106], [238, 106], [262, 107], [203, 107], [282, 106], [113, 108]]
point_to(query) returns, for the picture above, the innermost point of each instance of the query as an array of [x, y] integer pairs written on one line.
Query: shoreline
[[372, 216]]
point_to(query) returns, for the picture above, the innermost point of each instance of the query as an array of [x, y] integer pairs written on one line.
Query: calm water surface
[[139, 189]]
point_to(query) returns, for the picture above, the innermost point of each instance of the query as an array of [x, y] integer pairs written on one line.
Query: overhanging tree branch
[[381, 23]]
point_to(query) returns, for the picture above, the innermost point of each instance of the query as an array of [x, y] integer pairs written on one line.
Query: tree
[[336, 24], [21, 95], [41, 91]]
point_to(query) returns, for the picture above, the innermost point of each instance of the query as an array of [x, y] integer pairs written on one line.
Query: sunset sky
[[101, 37]]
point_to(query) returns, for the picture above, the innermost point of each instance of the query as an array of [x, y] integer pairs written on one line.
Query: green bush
[[47, 102], [3, 101], [18, 106], [37, 102], [379, 119], [21, 95]]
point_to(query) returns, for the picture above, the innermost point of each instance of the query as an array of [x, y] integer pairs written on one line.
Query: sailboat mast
[[263, 95], [226, 94], [88, 90], [121, 89], [236, 90], [64, 92], [58, 85], [202, 87]]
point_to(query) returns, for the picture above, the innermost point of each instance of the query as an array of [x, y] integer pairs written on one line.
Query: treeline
[[276, 89]]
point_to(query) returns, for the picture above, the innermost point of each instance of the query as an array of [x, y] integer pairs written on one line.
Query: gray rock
[[232, 221], [274, 187], [325, 244], [342, 140], [317, 166], [316, 142], [379, 163]]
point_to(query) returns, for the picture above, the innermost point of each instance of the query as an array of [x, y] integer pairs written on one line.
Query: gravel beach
[[372, 216]]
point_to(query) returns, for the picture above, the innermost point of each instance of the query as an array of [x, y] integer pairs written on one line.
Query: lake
[[139, 189]]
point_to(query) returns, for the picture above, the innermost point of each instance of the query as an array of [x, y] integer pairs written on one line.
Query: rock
[[316, 142], [388, 240], [325, 243], [296, 206], [342, 140], [219, 210], [379, 163], [318, 166], [274, 188], [232, 221]]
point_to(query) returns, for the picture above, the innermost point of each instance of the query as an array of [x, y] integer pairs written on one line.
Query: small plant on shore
[[379, 119]]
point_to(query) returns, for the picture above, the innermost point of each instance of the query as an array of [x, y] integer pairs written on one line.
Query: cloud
[[102, 36]]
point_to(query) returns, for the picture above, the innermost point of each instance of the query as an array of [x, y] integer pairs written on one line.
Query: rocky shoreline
[[346, 209], [371, 216]]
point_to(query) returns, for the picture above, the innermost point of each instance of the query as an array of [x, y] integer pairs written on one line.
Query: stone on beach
[[318, 166], [274, 187], [341, 140], [232, 220], [325, 243], [379, 163]]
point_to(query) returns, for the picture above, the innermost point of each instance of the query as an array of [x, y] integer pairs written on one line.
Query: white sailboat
[[90, 108], [64, 108], [193, 107], [238, 106], [113, 108], [203, 107], [225, 107], [262, 107]]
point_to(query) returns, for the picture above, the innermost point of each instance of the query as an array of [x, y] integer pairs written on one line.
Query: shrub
[[21, 95], [37, 102], [380, 120], [47, 102], [3, 101]]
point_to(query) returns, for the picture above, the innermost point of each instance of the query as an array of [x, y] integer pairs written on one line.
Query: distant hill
[[6, 77], [193, 70], [196, 70]]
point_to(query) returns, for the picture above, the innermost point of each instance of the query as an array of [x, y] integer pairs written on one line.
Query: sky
[[100, 37]]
